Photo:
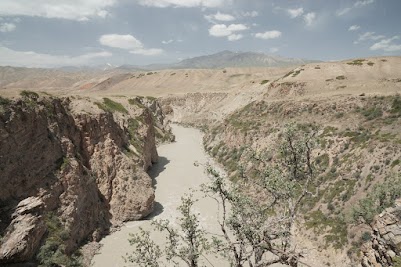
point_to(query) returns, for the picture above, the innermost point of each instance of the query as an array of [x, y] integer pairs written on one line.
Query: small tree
[[256, 227], [186, 244]]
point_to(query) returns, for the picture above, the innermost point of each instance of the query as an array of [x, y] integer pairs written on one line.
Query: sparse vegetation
[[29, 95], [341, 77], [52, 253], [109, 105], [382, 196], [356, 62], [264, 82]]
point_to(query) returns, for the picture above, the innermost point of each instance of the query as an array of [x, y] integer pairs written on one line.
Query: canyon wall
[[69, 172]]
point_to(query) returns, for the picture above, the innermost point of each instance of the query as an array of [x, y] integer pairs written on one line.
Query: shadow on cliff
[[157, 168]]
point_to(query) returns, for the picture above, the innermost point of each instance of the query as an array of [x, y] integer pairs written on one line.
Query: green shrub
[[52, 252], [396, 105], [383, 195], [372, 113], [109, 105], [4, 101], [356, 62], [336, 228], [341, 77], [264, 82], [29, 95]]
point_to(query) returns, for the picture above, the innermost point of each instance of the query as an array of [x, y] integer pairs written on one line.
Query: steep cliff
[[68, 174]]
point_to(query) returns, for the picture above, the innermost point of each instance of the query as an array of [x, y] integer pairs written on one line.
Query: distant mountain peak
[[228, 58]]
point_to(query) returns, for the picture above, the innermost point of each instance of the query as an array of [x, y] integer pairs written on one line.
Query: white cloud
[[354, 28], [220, 17], [268, 35], [357, 4], [80, 10], [128, 42], [221, 30], [7, 27], [33, 59], [363, 3], [369, 36], [168, 41], [147, 52], [120, 41], [184, 3], [310, 18], [235, 37], [273, 50], [251, 14], [387, 45], [294, 13]]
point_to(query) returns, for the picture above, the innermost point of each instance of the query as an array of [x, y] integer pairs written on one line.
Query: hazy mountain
[[226, 59]]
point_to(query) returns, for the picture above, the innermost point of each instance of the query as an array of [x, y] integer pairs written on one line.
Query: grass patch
[[372, 113], [29, 95], [356, 62], [335, 228], [109, 105], [396, 106], [395, 163], [52, 253], [288, 74], [297, 72]]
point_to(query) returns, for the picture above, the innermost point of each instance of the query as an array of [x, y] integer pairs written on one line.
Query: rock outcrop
[[68, 176], [384, 248]]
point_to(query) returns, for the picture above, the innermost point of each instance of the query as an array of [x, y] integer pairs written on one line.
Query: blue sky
[[49, 33]]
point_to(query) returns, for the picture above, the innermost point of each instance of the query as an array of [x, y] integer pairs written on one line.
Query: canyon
[[79, 153]]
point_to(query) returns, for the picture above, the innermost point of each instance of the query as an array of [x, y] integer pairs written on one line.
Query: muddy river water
[[181, 167]]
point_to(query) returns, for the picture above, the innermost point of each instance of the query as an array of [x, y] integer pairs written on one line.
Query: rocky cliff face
[[67, 176]]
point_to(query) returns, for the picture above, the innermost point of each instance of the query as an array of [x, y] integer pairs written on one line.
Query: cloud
[[80, 10], [235, 37], [310, 18], [33, 59], [168, 41], [354, 28], [294, 13], [369, 36], [7, 27], [387, 45], [120, 41], [147, 52], [363, 3], [268, 35], [222, 30], [183, 3], [250, 14], [273, 50], [128, 42], [220, 17], [357, 4]]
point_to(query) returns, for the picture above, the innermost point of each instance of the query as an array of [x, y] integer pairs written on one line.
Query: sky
[[54, 33]]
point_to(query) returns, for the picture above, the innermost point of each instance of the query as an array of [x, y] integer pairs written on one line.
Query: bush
[[109, 105], [4, 101], [52, 253], [382, 196], [29, 95]]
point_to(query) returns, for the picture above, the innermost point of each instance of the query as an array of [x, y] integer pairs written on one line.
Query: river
[[180, 169]]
